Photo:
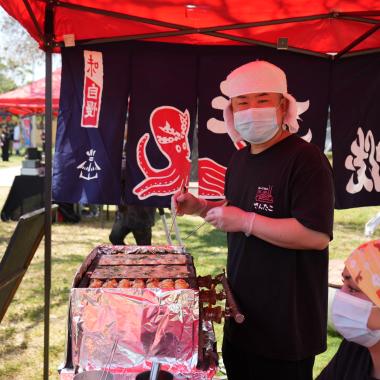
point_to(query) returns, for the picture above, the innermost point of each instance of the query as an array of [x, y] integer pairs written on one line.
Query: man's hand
[[231, 219], [186, 203]]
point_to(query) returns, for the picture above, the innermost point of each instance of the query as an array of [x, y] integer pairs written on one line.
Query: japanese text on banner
[[92, 89]]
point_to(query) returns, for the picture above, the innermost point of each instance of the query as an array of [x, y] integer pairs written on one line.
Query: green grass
[[21, 331], [13, 161]]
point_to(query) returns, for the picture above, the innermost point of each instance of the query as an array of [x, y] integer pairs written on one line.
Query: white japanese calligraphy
[[92, 91], [364, 162], [90, 109]]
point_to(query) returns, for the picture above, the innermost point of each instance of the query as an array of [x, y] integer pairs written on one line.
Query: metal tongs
[[174, 217], [105, 372]]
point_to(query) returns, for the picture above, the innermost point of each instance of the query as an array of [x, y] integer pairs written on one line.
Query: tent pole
[[47, 189], [49, 30]]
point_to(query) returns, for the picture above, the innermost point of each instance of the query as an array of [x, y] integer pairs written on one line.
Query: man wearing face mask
[[356, 315], [279, 221]]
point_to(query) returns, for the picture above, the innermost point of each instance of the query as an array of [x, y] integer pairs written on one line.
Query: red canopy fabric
[[320, 26], [31, 98]]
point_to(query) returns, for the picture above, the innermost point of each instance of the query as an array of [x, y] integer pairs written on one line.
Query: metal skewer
[[183, 191], [202, 224], [194, 231]]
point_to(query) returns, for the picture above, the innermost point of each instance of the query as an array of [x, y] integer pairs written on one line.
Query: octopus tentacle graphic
[[143, 162], [170, 128], [156, 186], [211, 178]]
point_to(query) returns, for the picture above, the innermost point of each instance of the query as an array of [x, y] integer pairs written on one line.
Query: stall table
[[25, 195]]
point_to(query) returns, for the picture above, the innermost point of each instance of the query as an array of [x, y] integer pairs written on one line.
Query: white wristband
[[250, 222]]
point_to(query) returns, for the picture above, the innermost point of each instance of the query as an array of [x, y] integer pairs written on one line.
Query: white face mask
[[350, 316], [256, 125]]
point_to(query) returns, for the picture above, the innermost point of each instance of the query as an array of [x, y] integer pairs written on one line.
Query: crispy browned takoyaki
[[96, 283], [125, 283], [167, 284], [111, 283], [138, 283], [181, 284], [153, 283]]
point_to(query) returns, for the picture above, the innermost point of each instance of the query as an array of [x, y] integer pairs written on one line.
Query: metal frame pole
[[48, 180], [48, 219]]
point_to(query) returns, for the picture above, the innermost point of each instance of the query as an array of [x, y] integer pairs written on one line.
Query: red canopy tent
[[320, 27], [315, 27], [30, 99]]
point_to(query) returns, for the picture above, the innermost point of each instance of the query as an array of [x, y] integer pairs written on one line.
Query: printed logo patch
[[264, 199], [89, 168]]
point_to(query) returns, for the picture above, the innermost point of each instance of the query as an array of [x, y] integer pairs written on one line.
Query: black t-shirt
[[282, 292], [351, 362]]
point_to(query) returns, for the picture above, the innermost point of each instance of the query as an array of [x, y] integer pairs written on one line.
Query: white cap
[[255, 77], [258, 77]]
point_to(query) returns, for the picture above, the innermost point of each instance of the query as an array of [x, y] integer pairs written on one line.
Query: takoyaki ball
[[96, 283], [181, 284], [153, 283], [111, 283], [167, 284], [138, 283], [125, 283]]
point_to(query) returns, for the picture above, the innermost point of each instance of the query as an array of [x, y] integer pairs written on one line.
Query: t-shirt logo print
[[264, 199]]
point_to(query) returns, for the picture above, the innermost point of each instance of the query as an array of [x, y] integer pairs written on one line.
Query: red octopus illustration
[[170, 128], [211, 178]]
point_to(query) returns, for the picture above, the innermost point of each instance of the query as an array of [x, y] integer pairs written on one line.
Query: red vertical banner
[[92, 89]]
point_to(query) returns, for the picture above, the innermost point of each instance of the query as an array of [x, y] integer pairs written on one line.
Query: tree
[[19, 53], [6, 83]]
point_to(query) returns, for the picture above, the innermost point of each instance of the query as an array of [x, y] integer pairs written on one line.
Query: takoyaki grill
[[146, 299]]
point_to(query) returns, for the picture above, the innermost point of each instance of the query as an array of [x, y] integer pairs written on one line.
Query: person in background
[[4, 142], [90, 210], [279, 219], [136, 219], [356, 316], [17, 139], [131, 218]]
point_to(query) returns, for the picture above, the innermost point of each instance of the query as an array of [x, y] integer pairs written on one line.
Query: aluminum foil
[[147, 324], [107, 249]]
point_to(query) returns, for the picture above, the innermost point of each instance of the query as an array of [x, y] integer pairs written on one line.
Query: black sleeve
[[312, 190], [226, 177], [351, 361], [329, 372]]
